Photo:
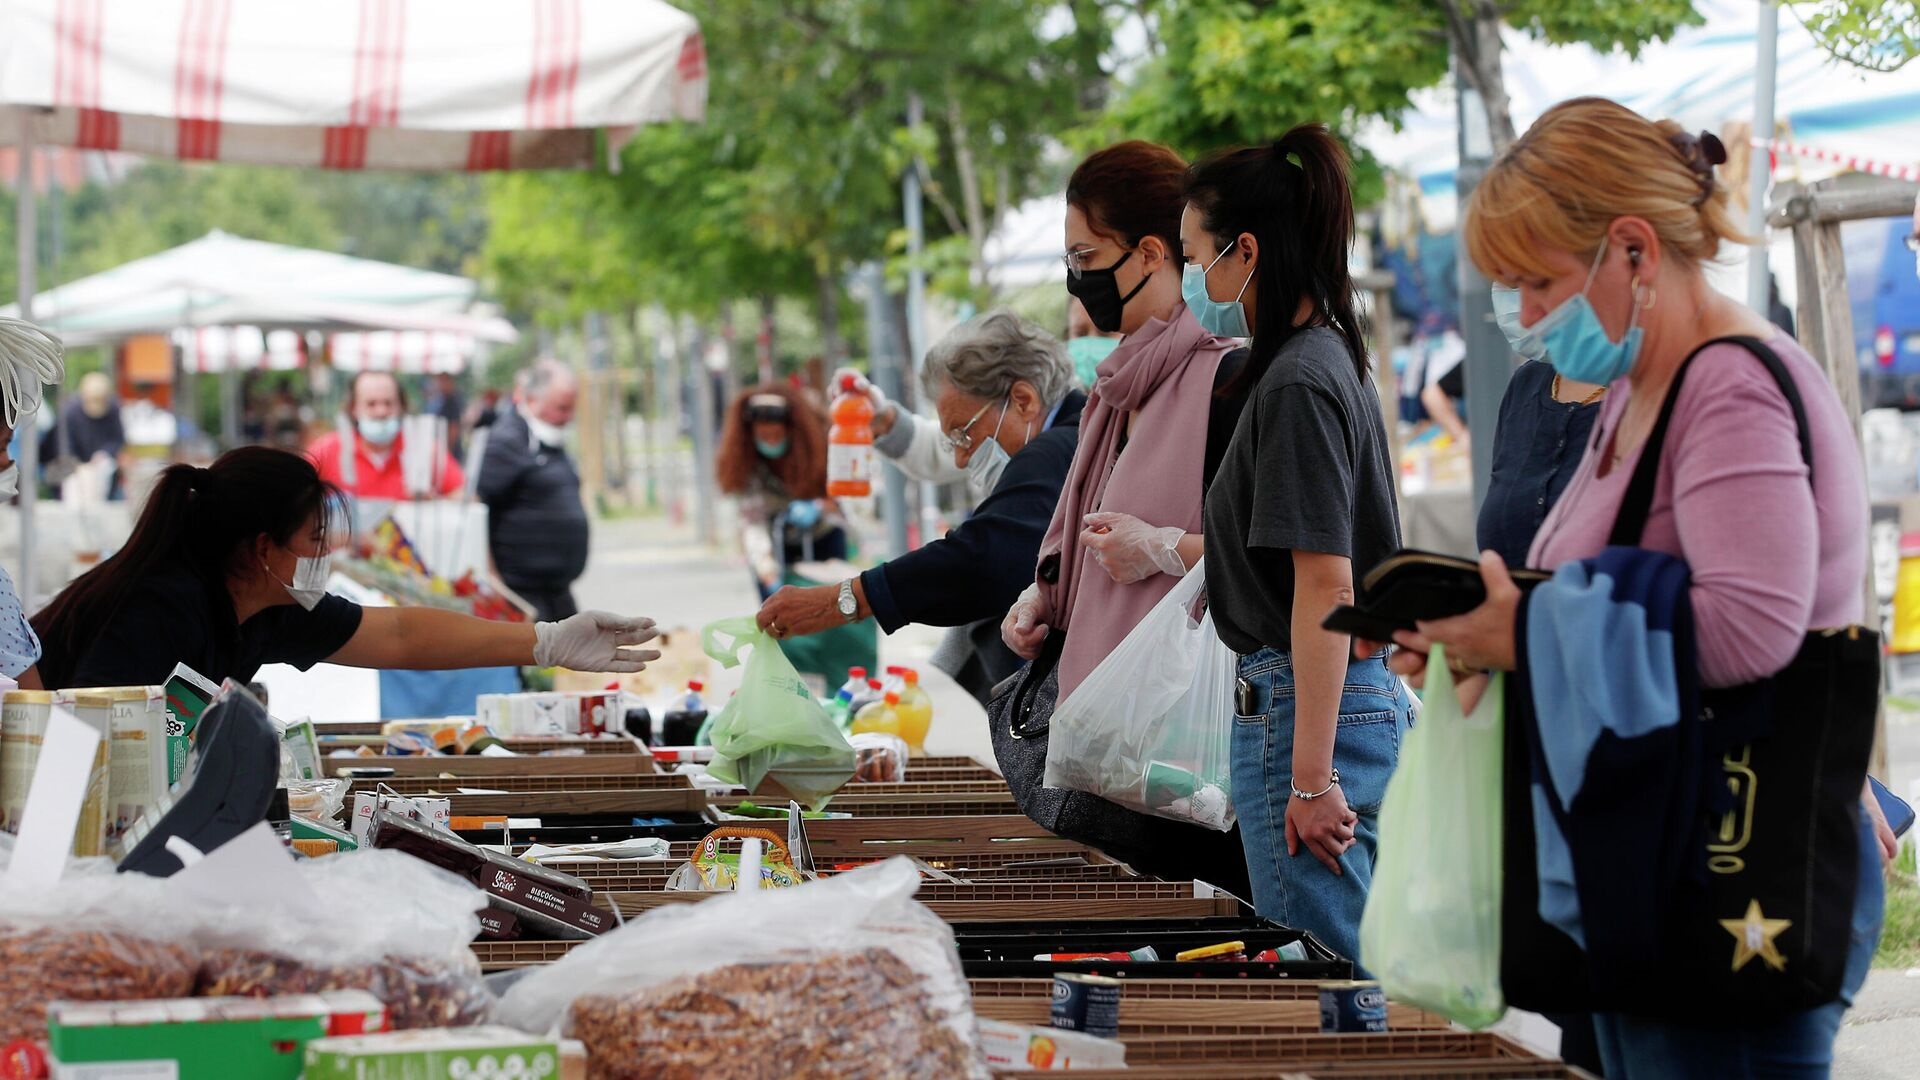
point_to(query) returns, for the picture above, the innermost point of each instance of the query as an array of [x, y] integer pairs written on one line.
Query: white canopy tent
[[384, 84]]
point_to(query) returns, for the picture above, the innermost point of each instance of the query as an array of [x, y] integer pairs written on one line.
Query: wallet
[[1411, 585]]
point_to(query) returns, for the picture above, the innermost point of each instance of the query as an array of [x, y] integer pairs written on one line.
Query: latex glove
[[885, 413], [594, 641], [804, 513], [1025, 627], [1131, 550]]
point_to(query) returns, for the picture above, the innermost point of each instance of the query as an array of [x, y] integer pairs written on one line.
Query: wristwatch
[[849, 606]]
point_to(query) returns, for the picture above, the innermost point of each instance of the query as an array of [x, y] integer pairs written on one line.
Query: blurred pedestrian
[[1305, 495], [30, 359], [444, 401], [773, 460], [89, 434], [1009, 421], [538, 530], [364, 456], [1086, 344]]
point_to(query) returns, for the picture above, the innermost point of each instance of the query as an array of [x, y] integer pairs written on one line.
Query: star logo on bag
[[1753, 936]]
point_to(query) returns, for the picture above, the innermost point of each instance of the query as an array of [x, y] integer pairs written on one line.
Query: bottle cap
[[849, 382], [912, 676], [696, 686], [873, 684], [856, 673], [893, 698]]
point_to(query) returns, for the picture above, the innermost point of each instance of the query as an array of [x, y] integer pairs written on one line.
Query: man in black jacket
[[1009, 417], [538, 528]]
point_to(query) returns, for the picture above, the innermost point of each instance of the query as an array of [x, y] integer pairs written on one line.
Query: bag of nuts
[[387, 923], [847, 976], [92, 936]]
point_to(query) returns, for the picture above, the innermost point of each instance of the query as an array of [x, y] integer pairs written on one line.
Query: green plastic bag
[[1431, 932], [773, 737]]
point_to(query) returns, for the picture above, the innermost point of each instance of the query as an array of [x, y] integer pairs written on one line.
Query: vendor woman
[[29, 359], [227, 570]]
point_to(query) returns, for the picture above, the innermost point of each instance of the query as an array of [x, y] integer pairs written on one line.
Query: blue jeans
[[1800, 1046], [1298, 890]]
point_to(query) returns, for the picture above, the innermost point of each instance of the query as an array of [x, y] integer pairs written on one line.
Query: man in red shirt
[[366, 461]]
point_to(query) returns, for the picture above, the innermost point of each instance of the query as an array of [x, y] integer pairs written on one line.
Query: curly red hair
[[802, 471]]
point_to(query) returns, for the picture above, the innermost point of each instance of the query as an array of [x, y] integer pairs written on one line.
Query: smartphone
[[1898, 811]]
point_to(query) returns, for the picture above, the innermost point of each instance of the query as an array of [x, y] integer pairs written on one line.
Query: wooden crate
[[616, 875], [507, 955], [545, 803], [527, 785], [630, 904], [876, 800], [1305, 1053], [1489, 1069], [477, 766], [933, 837], [1142, 1016], [1209, 990]]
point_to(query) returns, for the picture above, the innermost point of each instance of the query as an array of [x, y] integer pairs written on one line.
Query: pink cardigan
[[1772, 558]]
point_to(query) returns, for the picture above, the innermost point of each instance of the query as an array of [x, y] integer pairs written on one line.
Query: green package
[[200, 1038], [188, 695], [439, 1054]]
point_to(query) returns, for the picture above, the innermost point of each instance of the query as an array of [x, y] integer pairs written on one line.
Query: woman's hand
[[1025, 627], [594, 641], [1883, 832], [1324, 826], [1482, 639], [798, 612], [1131, 550]]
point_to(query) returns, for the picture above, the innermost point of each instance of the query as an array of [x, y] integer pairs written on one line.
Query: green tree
[[1878, 35]]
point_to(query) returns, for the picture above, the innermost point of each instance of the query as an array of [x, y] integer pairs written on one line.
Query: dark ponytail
[[1295, 197], [204, 519]]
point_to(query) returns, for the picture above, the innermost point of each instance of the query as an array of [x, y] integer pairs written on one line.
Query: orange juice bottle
[[850, 442], [916, 713], [882, 716]]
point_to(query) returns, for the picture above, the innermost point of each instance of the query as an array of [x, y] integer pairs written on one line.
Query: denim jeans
[[1298, 890], [1800, 1046]]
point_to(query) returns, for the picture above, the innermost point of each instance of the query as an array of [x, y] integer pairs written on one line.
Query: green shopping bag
[[773, 737], [1431, 932]]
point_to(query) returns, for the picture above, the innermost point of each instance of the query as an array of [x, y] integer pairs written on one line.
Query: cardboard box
[[439, 1054], [1018, 1048], [546, 902], [202, 1038]]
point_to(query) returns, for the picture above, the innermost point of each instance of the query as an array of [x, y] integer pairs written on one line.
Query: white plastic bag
[[848, 976], [1431, 932], [1151, 727]]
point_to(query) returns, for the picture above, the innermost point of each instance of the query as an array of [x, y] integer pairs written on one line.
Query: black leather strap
[[1638, 501]]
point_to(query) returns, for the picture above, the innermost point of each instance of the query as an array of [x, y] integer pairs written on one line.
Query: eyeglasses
[[961, 438], [1079, 260]]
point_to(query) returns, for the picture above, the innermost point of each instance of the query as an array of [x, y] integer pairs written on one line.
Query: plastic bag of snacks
[[713, 870], [844, 977], [385, 922], [879, 758], [317, 800], [92, 936]]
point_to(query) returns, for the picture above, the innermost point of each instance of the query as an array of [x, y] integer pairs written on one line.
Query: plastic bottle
[[840, 705], [896, 680], [882, 716], [869, 693], [683, 721], [916, 713], [850, 441]]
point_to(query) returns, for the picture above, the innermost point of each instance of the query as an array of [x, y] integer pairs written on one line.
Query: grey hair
[[544, 373], [987, 354]]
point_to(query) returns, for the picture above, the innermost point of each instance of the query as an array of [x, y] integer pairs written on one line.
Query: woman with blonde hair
[[1753, 487]]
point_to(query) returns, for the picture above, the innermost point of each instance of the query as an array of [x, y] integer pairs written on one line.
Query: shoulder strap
[[1638, 501]]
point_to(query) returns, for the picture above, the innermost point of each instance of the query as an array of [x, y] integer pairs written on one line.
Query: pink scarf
[[1164, 371]]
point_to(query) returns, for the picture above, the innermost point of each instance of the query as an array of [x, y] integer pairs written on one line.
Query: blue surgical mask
[[1086, 354], [771, 449], [1506, 315], [379, 432], [1219, 318], [1578, 346]]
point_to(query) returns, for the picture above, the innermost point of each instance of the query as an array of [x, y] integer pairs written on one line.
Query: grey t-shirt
[[1309, 469]]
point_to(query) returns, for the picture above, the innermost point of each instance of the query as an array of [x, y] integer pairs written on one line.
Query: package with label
[[138, 756], [435, 813], [550, 713], [188, 695], [93, 708], [318, 800], [202, 1038], [1019, 1048], [368, 920], [546, 902], [300, 753], [714, 870], [23, 724], [445, 1055]]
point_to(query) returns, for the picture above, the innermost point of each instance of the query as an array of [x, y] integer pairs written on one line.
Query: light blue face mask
[[1506, 315], [771, 450], [1577, 345], [1086, 353], [1219, 318]]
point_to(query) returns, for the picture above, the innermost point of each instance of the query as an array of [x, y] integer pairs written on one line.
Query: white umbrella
[[381, 84]]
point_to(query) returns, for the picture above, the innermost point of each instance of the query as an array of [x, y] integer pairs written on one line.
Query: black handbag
[[1758, 922]]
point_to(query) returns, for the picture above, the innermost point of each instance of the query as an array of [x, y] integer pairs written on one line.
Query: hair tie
[[1700, 153]]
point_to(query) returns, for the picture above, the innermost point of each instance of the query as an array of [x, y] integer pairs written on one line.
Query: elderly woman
[[1011, 420]]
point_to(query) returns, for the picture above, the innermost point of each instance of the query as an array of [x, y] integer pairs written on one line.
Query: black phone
[[1410, 585], [1899, 811], [1347, 619]]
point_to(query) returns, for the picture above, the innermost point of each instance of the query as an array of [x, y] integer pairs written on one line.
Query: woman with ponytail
[[1305, 495], [226, 570]]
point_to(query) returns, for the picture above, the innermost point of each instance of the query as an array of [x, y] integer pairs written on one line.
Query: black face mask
[[1099, 292]]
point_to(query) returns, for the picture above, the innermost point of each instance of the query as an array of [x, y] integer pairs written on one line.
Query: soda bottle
[[882, 716], [869, 693], [841, 705], [896, 680], [916, 713], [850, 442], [683, 721]]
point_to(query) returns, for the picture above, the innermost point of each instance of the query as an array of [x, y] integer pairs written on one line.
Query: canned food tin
[[1352, 1006], [1086, 1003]]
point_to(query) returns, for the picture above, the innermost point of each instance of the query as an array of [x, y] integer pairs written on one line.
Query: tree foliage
[[1878, 35]]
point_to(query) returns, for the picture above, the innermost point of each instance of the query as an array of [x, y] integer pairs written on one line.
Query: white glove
[[1025, 627], [594, 641], [874, 394], [1131, 550]]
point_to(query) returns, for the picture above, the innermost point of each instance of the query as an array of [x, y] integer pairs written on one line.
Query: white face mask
[[309, 579], [547, 434], [989, 461], [9, 482]]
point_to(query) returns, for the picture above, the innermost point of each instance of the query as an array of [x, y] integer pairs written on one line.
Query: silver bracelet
[[1309, 797]]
